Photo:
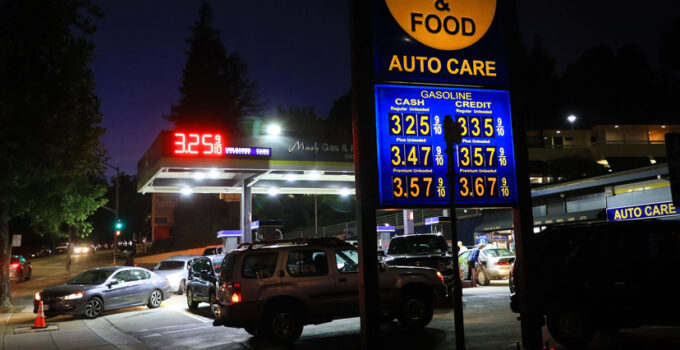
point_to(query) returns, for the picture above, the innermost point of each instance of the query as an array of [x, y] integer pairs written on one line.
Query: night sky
[[298, 51]]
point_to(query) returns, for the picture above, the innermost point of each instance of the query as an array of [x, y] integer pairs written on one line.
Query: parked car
[[61, 248], [423, 250], [20, 269], [40, 252], [176, 270], [106, 288], [274, 290], [202, 282], [495, 264], [579, 296], [213, 251]]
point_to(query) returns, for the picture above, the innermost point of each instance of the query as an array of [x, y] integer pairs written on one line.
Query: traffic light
[[117, 232], [119, 225]]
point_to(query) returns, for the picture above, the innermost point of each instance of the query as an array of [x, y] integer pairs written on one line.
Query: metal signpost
[[415, 65]]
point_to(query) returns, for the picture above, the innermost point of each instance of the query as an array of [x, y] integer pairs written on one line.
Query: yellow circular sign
[[444, 24]]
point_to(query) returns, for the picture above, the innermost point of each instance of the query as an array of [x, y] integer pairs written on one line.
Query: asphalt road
[[489, 323]]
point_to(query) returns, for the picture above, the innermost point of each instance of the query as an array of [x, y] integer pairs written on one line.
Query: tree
[[215, 90], [50, 118], [339, 122]]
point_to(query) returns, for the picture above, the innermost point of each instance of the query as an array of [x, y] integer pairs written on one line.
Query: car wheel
[[193, 305], [283, 325], [182, 287], [214, 306], [155, 299], [416, 311], [483, 278], [571, 327], [93, 308]]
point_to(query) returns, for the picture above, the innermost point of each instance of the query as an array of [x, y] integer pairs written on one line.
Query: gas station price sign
[[412, 162], [197, 144]]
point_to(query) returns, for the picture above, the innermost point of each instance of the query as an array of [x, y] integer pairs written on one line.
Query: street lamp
[[274, 129], [572, 118]]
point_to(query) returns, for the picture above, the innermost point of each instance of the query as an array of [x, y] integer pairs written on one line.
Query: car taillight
[[235, 290], [441, 278], [502, 263], [14, 266]]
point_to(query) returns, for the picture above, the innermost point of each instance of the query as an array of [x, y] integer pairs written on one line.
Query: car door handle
[[342, 280]]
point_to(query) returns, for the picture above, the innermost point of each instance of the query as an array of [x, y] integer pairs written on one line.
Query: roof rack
[[325, 241]]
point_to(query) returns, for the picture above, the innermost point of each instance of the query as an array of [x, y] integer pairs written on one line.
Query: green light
[[119, 225]]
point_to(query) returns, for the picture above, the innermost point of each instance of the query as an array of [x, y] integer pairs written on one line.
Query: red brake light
[[439, 274], [235, 289], [235, 298], [502, 263], [14, 266]]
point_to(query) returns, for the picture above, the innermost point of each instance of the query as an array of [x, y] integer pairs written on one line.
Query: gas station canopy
[[198, 162]]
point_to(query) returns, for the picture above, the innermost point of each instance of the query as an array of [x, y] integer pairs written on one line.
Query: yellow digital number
[[413, 155], [397, 187], [414, 188], [478, 155], [428, 184], [396, 128], [411, 121], [491, 181], [463, 126], [492, 153], [476, 131], [479, 186], [464, 157], [396, 155], [426, 150], [424, 124], [463, 189], [488, 127]]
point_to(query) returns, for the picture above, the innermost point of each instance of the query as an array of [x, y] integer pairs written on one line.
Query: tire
[[415, 311], [155, 299], [182, 287], [282, 325], [571, 327], [214, 307], [193, 305], [93, 308], [483, 278]]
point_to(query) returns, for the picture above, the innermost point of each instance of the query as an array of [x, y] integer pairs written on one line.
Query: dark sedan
[[95, 291]]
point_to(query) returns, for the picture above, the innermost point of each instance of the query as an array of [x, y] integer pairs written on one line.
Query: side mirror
[[112, 283]]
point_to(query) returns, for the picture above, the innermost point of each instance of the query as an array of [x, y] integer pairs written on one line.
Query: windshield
[[217, 264], [171, 265], [418, 245], [91, 277], [498, 252]]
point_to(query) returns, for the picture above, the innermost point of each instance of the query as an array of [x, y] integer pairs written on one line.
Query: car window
[[138, 275], [91, 277], [217, 264], [347, 260], [497, 252], [199, 265], [418, 244], [170, 265], [227, 271], [259, 265], [122, 276], [302, 263]]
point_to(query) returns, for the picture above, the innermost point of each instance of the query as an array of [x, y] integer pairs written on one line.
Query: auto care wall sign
[[448, 41]]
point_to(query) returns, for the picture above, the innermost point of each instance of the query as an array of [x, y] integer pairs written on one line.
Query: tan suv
[[273, 289]]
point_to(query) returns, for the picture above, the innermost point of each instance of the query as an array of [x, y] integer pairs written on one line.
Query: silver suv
[[273, 289]]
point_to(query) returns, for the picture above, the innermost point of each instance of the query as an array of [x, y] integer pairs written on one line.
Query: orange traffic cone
[[40, 319]]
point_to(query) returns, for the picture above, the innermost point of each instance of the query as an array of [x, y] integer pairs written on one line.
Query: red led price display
[[198, 144]]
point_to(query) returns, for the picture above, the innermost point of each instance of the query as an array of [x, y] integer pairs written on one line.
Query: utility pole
[[452, 136], [115, 211]]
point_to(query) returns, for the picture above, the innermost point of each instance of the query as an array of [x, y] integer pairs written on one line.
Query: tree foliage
[[215, 89], [50, 118]]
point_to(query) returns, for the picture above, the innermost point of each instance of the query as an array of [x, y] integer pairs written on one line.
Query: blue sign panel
[[645, 211], [482, 239], [412, 162]]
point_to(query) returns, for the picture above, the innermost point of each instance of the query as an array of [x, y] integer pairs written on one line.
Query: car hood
[[66, 289]]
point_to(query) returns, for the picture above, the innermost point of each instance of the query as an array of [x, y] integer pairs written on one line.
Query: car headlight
[[37, 296], [77, 250], [73, 296], [85, 250]]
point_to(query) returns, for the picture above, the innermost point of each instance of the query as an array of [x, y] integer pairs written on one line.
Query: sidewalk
[[71, 334]]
